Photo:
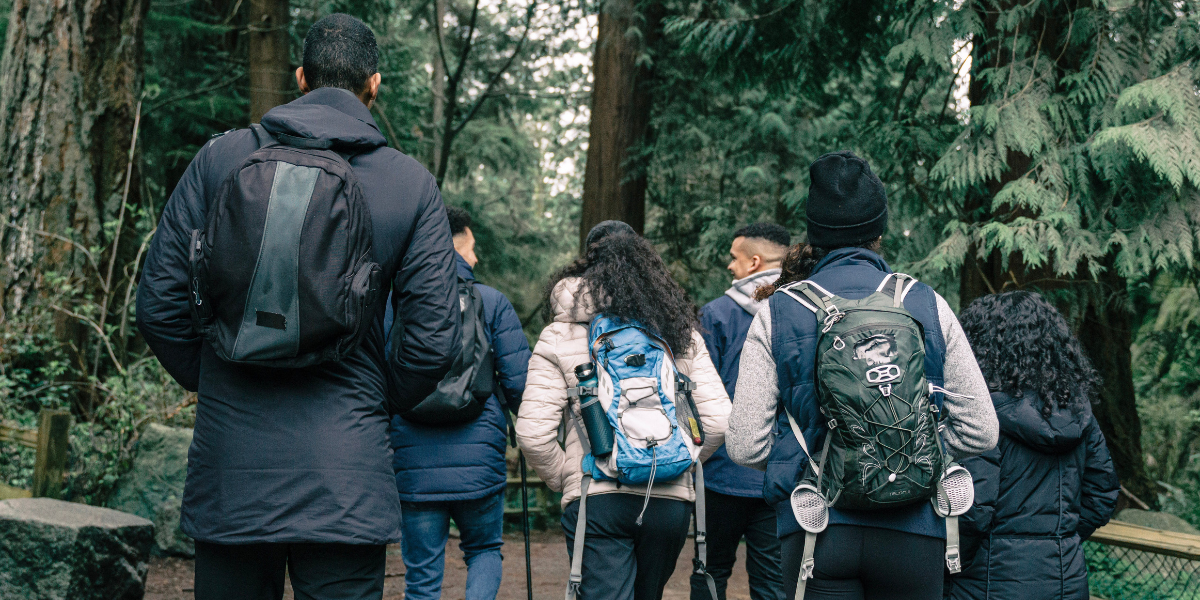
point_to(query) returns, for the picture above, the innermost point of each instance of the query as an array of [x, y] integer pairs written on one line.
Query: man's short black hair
[[770, 232], [460, 219], [340, 51]]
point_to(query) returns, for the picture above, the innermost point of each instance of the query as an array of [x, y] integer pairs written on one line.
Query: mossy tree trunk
[[271, 77], [70, 82], [614, 185]]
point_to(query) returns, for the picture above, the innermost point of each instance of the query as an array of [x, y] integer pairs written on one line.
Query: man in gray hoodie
[[734, 494]]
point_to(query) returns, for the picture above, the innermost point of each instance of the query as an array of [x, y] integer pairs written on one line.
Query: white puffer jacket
[[562, 346]]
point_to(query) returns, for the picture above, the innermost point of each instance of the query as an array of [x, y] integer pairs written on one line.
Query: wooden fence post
[[53, 443]]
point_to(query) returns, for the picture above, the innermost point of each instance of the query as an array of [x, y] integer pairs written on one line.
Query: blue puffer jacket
[[466, 462], [724, 325]]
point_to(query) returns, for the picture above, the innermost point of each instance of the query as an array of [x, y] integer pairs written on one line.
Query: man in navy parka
[[458, 471], [290, 469]]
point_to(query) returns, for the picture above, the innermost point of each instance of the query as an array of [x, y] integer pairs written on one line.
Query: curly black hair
[[627, 279], [801, 259], [1022, 343]]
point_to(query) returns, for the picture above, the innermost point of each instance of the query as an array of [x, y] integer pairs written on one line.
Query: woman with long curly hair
[[634, 531], [1049, 483]]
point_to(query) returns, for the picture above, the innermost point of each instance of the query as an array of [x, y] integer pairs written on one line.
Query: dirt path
[[171, 578]]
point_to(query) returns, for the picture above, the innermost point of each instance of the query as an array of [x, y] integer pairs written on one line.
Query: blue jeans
[[425, 528]]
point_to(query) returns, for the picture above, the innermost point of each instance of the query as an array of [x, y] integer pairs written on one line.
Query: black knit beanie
[[604, 229], [846, 202]]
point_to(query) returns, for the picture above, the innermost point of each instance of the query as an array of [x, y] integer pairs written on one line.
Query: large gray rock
[[55, 550], [153, 488], [1156, 520]]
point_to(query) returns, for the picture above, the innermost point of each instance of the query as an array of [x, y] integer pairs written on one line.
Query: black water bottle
[[599, 433]]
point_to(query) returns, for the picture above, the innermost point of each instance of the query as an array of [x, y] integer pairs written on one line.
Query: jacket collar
[[847, 257], [464, 270], [327, 113], [743, 289]]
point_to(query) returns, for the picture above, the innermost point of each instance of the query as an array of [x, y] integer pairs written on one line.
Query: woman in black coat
[[1049, 483]]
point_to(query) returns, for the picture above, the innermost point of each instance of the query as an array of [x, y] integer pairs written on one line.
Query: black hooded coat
[[302, 455], [1039, 493]]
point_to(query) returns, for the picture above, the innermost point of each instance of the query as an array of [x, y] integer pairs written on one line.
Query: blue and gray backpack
[[636, 385], [656, 431]]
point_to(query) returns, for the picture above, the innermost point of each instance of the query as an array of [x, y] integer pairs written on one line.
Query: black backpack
[[282, 274], [460, 395]]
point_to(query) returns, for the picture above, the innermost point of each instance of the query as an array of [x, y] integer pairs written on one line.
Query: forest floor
[[171, 578]]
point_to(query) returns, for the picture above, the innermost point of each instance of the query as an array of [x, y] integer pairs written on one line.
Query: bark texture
[[271, 79], [614, 187], [70, 80]]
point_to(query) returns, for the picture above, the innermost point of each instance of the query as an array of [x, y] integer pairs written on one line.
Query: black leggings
[[621, 559], [866, 563]]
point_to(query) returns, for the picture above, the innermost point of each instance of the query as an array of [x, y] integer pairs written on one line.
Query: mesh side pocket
[[810, 508], [960, 493]]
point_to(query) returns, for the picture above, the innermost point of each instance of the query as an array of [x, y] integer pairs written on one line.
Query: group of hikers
[[355, 384]]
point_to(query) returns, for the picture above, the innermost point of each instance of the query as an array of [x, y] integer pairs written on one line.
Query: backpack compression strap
[[699, 563], [575, 580]]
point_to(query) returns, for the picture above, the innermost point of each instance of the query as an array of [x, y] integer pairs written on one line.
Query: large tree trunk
[[613, 187], [271, 79], [1106, 331], [438, 85], [70, 80]]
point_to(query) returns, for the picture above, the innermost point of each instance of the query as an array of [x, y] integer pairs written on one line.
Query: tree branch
[[99, 331], [496, 78]]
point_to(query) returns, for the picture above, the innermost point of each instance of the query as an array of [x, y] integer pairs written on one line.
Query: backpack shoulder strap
[[897, 285], [790, 291]]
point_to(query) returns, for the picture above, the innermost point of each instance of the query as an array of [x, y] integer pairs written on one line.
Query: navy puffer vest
[[851, 273]]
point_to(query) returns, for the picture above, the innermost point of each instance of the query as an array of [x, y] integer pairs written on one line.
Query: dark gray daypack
[[460, 395], [282, 274]]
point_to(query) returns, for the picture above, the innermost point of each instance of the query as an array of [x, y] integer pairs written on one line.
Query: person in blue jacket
[[733, 493], [288, 471], [1050, 481], [459, 471]]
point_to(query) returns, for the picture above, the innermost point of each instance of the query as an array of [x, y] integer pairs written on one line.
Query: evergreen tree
[[1073, 171]]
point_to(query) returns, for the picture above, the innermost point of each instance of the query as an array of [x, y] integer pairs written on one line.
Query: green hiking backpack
[[883, 449]]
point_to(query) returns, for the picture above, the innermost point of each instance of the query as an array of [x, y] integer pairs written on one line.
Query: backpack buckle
[[886, 390], [834, 314], [953, 561], [807, 569]]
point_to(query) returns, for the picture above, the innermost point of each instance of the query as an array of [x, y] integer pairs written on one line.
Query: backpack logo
[[877, 349]]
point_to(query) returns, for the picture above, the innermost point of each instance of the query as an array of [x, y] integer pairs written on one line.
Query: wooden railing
[[1157, 541], [51, 441], [1131, 561]]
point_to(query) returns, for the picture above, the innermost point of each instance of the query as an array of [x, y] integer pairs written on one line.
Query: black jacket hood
[[330, 114], [1021, 418]]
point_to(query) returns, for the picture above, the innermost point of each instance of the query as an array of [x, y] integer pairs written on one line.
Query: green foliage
[[1167, 376]]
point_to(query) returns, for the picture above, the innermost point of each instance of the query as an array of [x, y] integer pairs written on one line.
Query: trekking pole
[[525, 519], [512, 436]]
